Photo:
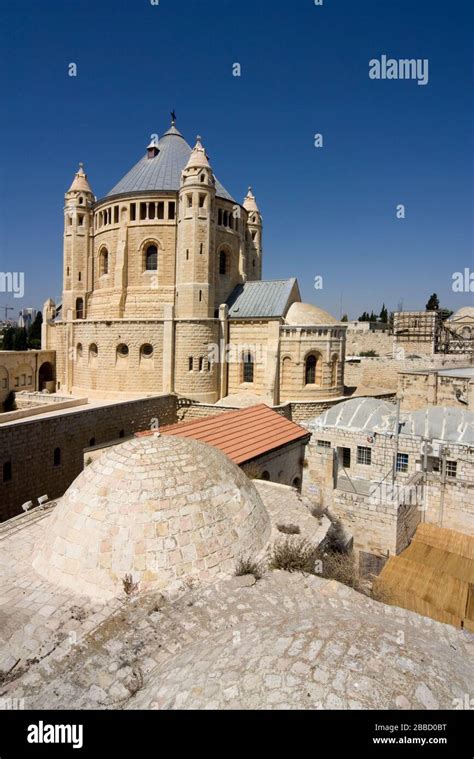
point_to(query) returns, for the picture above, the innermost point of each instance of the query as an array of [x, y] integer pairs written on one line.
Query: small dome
[[463, 313], [305, 314], [157, 509]]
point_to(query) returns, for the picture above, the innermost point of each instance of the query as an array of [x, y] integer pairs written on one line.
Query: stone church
[[163, 292]]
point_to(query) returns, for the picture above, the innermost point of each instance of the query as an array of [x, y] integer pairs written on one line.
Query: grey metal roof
[[163, 172], [445, 423], [452, 425], [260, 299], [358, 414]]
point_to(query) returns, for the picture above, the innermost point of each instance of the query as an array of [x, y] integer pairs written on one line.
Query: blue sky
[[328, 211]]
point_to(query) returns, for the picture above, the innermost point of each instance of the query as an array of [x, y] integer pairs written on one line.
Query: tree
[[34, 334], [365, 317], [372, 317], [384, 315], [433, 303], [20, 340], [345, 318], [8, 335]]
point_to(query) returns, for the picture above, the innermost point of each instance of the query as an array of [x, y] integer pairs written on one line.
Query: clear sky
[[328, 211]]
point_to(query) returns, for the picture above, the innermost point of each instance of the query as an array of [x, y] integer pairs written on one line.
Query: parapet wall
[[27, 447], [383, 372]]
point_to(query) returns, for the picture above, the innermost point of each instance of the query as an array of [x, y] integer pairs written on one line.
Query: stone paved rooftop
[[286, 641]]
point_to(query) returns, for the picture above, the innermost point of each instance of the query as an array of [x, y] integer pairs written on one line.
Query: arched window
[[265, 476], [93, 351], [104, 262], [248, 373], [310, 370], [151, 258], [222, 262], [79, 350], [92, 442], [79, 308], [57, 457], [334, 370], [122, 434]]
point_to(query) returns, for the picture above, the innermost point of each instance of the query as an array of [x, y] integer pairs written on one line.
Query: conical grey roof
[[163, 172]]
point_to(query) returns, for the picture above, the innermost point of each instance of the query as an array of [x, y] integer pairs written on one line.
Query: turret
[[195, 246], [78, 225], [253, 237]]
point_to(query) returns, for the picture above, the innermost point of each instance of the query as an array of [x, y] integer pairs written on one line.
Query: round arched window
[[93, 350], [146, 350], [122, 350], [151, 258]]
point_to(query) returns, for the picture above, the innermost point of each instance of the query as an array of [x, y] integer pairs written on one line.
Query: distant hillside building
[[163, 274]]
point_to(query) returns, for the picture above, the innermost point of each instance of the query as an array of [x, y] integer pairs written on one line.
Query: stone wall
[[385, 522], [428, 388], [283, 466], [28, 446], [383, 372], [379, 341]]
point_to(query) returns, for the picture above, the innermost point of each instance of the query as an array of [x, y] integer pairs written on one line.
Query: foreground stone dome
[[156, 508], [305, 314]]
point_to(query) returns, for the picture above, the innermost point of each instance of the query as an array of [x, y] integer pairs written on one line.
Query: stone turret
[[78, 225], [254, 237], [196, 232]]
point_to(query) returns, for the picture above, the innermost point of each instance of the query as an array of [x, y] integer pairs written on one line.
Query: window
[[310, 370], [222, 262], [81, 201], [189, 199], [201, 363], [248, 374], [324, 444], [334, 370], [190, 363], [67, 272], [202, 201], [17, 381], [93, 351], [402, 462], [80, 220], [151, 258], [451, 468], [346, 458], [122, 350], [79, 308], [79, 350], [265, 476], [146, 351], [104, 262], [364, 455], [30, 380], [171, 211], [187, 255], [142, 211], [122, 434], [116, 214], [92, 442], [200, 296], [79, 276], [133, 212], [7, 471], [57, 457]]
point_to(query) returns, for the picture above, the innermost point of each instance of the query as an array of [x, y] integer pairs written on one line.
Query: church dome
[[154, 510], [162, 172], [467, 312], [305, 314]]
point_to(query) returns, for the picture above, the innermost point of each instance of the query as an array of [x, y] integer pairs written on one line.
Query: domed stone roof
[[156, 508], [305, 314], [462, 313]]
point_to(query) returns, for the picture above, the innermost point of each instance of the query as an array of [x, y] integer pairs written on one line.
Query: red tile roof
[[242, 435]]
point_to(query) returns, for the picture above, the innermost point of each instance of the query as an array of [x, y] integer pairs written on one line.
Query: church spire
[[250, 203], [80, 183]]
